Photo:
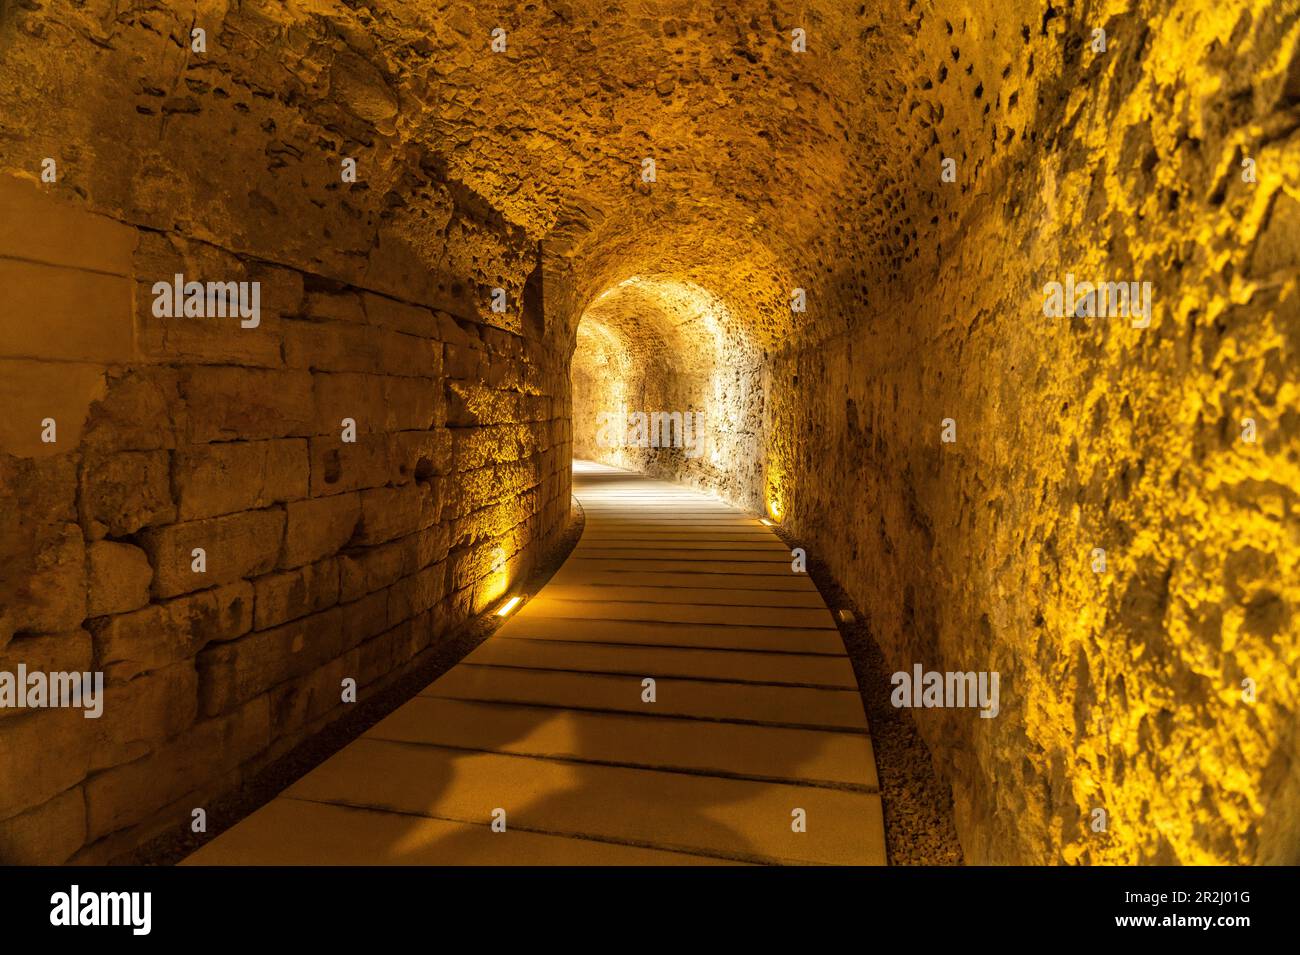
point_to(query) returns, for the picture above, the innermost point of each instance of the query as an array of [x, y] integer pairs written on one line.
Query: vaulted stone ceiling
[[768, 161]]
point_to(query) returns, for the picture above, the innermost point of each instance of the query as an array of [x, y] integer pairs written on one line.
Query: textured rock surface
[[774, 171]]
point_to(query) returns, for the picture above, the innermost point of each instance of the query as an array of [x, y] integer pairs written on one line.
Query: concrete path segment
[[756, 720]]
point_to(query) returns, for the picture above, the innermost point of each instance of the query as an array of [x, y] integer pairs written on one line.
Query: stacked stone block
[[325, 560]]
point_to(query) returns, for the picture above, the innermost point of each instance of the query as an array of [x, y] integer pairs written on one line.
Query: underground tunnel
[[426, 423]]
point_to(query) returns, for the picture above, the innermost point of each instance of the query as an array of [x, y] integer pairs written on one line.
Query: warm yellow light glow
[[644, 315], [777, 486], [509, 606], [765, 522]]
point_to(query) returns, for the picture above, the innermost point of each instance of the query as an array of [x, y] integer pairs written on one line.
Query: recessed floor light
[[509, 606]]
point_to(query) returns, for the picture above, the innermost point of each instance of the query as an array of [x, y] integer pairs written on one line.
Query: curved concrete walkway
[[756, 716]]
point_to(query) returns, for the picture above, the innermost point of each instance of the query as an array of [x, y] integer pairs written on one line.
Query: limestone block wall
[[324, 559]]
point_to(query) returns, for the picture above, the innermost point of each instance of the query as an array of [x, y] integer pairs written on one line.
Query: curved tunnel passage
[[674, 695], [853, 236]]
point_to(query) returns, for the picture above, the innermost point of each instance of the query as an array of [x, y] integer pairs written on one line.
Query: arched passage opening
[[666, 380]]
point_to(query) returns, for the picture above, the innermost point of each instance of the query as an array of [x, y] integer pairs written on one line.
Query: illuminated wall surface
[[830, 227]]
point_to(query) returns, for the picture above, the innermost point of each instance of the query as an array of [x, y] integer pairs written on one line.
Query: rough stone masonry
[[840, 258]]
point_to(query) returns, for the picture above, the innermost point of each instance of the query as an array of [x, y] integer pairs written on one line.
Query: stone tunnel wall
[[1121, 684], [610, 373], [326, 559]]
